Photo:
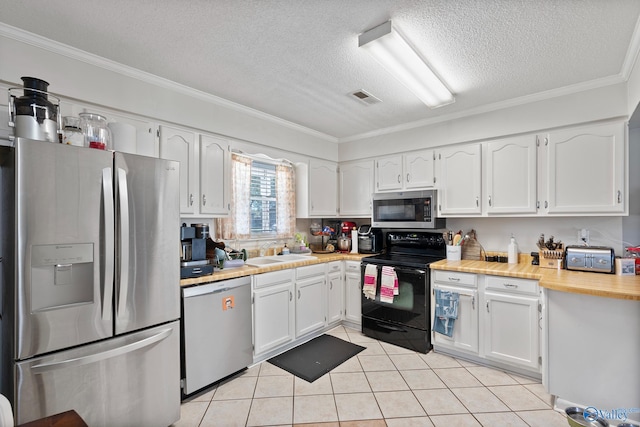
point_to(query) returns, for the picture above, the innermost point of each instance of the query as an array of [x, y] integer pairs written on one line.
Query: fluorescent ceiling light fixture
[[398, 58]]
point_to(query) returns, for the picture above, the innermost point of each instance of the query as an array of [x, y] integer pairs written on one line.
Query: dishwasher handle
[[216, 287]]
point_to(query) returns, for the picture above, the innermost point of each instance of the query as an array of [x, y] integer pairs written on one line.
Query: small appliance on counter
[[344, 240], [597, 259], [370, 240], [193, 258]]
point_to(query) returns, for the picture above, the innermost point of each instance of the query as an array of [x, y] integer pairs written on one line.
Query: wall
[[90, 79]]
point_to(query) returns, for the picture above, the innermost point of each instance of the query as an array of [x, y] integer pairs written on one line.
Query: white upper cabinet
[[419, 169], [316, 189], [459, 180], [177, 144], [215, 176], [356, 188], [511, 175], [585, 170], [410, 171], [389, 173]]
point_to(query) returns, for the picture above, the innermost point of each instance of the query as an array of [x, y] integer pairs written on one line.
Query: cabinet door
[[214, 176], [273, 316], [356, 188], [511, 175], [419, 170], [177, 144], [311, 310], [511, 329], [460, 180], [335, 294], [389, 173], [353, 292], [323, 185], [465, 329], [586, 170]]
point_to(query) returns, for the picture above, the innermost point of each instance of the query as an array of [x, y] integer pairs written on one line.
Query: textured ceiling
[[298, 60]]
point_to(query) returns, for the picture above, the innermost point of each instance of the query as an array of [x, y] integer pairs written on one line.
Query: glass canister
[[71, 132], [95, 130]]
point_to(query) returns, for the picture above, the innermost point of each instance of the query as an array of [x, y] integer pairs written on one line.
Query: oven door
[[409, 307]]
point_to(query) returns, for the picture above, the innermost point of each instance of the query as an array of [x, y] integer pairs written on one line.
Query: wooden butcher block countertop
[[247, 270], [597, 284]]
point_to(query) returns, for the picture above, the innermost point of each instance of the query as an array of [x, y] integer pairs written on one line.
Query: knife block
[[552, 258]]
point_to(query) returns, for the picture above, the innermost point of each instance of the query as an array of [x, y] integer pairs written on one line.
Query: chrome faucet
[[266, 246]]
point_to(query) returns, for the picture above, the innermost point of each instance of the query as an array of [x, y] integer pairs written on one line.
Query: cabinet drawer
[[272, 278], [512, 285], [310, 271], [334, 266], [352, 267], [455, 278]]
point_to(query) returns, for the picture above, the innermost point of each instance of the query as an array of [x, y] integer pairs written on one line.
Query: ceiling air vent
[[365, 97]]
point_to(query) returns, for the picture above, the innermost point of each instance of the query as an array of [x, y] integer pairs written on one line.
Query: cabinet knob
[[408, 177], [619, 196], [191, 199], [487, 306], [399, 179], [204, 200], [489, 199], [477, 201], [473, 303]]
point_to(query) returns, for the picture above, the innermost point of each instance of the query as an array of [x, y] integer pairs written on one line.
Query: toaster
[[599, 259]]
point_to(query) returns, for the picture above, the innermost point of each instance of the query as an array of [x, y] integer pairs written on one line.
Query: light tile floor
[[384, 385]]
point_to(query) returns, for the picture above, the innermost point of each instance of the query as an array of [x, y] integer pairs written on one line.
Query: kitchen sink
[[263, 261]]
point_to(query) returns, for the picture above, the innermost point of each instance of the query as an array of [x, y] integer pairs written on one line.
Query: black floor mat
[[315, 358]]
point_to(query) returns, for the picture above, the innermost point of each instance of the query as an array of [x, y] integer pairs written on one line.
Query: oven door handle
[[409, 270]]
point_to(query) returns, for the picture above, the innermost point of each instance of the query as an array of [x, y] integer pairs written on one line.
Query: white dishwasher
[[216, 321]]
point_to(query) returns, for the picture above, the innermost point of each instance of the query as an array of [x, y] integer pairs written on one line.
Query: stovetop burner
[[411, 249]]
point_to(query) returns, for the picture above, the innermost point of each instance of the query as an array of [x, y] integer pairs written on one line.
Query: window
[[262, 201], [263, 198]]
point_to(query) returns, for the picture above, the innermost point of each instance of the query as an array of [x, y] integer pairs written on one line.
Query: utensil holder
[[454, 253]]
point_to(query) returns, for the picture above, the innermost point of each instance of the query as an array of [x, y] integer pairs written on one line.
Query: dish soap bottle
[[512, 251], [285, 250]]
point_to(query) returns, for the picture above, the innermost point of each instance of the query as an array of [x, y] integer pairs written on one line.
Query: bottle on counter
[[285, 250], [512, 251]]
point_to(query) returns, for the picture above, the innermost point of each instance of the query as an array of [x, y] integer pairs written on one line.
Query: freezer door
[[147, 290], [65, 246], [131, 380]]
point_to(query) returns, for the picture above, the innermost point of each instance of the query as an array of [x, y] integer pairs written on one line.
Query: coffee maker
[[193, 255]]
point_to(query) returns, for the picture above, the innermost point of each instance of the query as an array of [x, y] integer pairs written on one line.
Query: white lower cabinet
[[335, 292], [510, 321], [498, 320], [311, 308], [273, 310], [465, 331], [353, 292]]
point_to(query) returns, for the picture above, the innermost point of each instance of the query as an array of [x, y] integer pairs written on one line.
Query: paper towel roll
[[124, 137]]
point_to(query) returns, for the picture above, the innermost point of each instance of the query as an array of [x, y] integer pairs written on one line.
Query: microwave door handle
[[109, 237], [123, 202]]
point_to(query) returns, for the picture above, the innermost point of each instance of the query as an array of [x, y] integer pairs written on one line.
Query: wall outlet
[[583, 236]]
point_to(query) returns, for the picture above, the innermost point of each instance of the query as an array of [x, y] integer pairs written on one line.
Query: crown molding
[[98, 61], [527, 99]]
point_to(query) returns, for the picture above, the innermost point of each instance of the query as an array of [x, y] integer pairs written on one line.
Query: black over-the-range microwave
[[406, 209]]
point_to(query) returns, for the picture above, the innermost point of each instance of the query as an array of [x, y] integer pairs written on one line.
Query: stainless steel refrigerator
[[89, 271]]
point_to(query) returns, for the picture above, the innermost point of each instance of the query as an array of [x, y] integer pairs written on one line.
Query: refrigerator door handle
[[109, 243], [97, 357], [123, 204]]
